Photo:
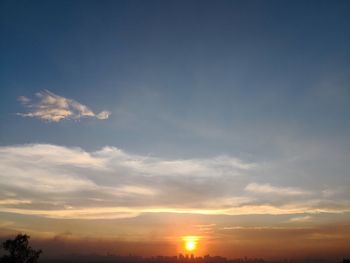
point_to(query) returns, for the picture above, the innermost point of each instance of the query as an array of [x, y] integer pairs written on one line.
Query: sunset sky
[[133, 126]]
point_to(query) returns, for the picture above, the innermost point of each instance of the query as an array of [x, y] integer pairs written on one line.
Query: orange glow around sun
[[190, 243]]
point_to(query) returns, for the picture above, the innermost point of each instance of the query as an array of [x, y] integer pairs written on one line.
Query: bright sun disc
[[190, 242]]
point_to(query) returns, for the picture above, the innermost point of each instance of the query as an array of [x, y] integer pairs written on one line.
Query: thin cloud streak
[[111, 183], [127, 212], [301, 219], [270, 189], [54, 108]]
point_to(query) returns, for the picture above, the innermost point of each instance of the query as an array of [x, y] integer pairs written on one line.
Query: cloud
[[23, 99], [261, 228], [68, 182], [14, 202], [52, 107], [207, 228], [103, 115], [270, 189], [301, 219]]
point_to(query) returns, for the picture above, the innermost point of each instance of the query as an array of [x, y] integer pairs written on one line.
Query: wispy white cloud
[[51, 107], [301, 219], [24, 100], [103, 115], [63, 182], [14, 202], [206, 227], [270, 189]]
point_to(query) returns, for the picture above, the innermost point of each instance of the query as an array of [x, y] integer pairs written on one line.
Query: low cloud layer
[[61, 182], [51, 107], [270, 189]]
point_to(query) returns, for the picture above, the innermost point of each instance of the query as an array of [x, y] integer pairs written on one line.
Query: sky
[[127, 125]]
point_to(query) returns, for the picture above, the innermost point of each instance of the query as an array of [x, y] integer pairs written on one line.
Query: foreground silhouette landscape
[[179, 259], [18, 250]]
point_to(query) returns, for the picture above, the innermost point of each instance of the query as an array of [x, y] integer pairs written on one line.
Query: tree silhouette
[[20, 251]]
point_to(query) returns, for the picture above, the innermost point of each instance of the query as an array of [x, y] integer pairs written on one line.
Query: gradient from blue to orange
[[232, 117]]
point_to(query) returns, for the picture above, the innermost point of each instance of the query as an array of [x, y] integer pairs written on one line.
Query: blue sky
[[192, 76], [244, 102]]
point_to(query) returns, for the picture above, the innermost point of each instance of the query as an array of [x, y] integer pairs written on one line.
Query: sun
[[190, 243]]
